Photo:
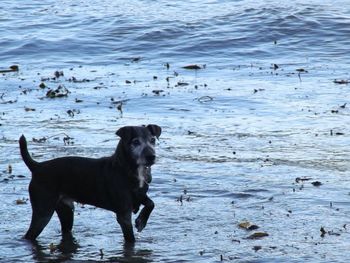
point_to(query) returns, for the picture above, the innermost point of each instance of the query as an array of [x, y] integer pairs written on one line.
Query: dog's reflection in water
[[68, 249], [62, 252]]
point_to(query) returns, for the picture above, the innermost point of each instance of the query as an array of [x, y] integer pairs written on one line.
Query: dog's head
[[139, 146]]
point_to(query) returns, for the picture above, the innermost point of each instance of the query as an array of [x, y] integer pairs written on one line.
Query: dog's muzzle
[[150, 159]]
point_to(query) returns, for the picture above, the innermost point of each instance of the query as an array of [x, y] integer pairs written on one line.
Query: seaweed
[[341, 81], [60, 92], [192, 66], [13, 68]]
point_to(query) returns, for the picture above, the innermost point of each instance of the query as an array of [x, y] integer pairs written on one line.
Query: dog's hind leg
[[65, 212], [38, 223], [142, 219], [43, 206], [124, 221]]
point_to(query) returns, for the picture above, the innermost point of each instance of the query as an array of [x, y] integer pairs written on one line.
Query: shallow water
[[242, 139]]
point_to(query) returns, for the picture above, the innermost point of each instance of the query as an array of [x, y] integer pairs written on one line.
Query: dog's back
[[73, 176]]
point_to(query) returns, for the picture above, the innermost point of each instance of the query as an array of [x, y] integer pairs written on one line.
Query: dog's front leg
[[124, 220], [142, 219]]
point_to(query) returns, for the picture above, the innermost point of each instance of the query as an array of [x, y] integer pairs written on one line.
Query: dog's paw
[[139, 224]]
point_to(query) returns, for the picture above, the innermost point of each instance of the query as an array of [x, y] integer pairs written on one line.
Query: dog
[[118, 183]]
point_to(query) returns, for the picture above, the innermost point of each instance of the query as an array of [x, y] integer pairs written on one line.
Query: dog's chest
[[141, 176]]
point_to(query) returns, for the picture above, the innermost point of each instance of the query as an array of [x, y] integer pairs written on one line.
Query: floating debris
[[316, 183], [75, 80], [204, 99], [157, 91], [184, 197], [257, 248], [68, 140], [120, 107], [247, 225], [29, 109], [70, 113], [184, 110], [22, 201], [258, 235], [341, 81], [180, 199], [58, 74], [8, 102], [193, 66], [191, 133], [330, 232], [257, 90], [53, 248], [99, 87], [335, 133], [136, 59], [302, 179], [301, 70], [13, 68], [60, 92], [181, 83], [274, 66], [40, 140], [101, 253]]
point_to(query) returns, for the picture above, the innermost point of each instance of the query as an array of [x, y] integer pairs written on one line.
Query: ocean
[[253, 100]]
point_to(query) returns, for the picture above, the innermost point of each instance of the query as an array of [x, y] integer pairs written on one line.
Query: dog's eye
[[136, 142], [153, 140]]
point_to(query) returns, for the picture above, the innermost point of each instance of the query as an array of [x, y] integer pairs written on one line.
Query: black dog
[[118, 183]]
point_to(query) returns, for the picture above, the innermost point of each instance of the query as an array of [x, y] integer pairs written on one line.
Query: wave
[[241, 30]]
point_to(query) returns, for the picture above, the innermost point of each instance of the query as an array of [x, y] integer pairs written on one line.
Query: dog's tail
[[28, 160]]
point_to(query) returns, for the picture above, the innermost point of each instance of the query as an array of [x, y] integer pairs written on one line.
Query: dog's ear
[[154, 129], [124, 132]]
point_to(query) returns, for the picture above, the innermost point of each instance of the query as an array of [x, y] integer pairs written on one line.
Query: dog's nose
[[150, 159]]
